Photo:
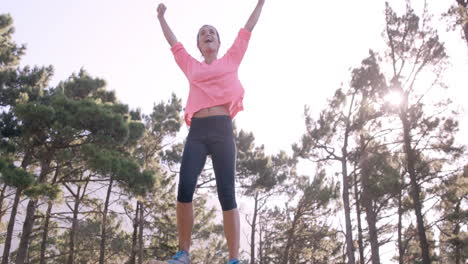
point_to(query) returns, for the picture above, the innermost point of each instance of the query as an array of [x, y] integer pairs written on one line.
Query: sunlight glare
[[393, 98]]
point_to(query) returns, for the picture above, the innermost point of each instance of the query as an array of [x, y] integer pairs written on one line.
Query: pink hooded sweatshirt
[[216, 83]]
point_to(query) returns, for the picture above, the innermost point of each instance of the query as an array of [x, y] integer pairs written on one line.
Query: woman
[[215, 97]]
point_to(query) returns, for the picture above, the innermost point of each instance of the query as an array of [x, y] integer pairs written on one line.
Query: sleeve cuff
[[176, 47], [244, 34]]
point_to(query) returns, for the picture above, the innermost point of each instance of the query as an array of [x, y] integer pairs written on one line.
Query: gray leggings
[[213, 136]]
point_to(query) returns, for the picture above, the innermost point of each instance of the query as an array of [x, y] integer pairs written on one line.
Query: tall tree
[[374, 163], [261, 177], [331, 137], [327, 140], [161, 128], [414, 50], [17, 86], [79, 113]]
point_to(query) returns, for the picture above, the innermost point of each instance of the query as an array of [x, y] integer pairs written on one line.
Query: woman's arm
[[254, 16], [170, 37]]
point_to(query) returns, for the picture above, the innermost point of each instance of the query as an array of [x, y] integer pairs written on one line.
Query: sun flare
[[393, 98]]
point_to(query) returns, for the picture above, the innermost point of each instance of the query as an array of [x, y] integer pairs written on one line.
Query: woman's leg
[[184, 225], [193, 161], [232, 232], [223, 155]]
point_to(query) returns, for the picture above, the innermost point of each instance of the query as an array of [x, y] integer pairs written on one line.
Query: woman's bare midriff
[[212, 111]]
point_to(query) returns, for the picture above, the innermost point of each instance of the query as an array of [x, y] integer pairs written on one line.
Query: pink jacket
[[216, 83]]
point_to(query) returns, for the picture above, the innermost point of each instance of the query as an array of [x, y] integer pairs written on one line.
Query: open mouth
[[208, 40]]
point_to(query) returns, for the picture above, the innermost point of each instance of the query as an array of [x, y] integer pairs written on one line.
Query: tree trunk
[[371, 222], [71, 245], [373, 234], [79, 196], [291, 233], [456, 233], [401, 248], [102, 248], [30, 214], [140, 235], [415, 189], [11, 225], [2, 197], [72, 238], [347, 211], [260, 243], [358, 217], [45, 233], [252, 231], [14, 210], [347, 207], [367, 201], [135, 234], [27, 230]]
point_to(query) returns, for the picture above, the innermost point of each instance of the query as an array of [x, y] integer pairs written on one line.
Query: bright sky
[[299, 53]]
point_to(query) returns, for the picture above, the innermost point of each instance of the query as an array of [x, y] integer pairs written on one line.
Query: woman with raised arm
[[215, 97]]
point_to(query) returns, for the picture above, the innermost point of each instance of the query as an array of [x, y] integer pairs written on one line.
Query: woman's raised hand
[[249, 26], [170, 37], [161, 10]]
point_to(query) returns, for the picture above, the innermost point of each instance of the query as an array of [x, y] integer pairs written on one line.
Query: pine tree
[[414, 50], [380, 184], [368, 84], [331, 138], [161, 127], [17, 86], [327, 140], [78, 114], [261, 177]]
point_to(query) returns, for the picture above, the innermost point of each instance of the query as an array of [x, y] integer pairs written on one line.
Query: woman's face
[[208, 39]]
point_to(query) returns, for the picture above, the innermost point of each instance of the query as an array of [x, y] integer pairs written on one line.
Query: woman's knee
[[185, 193], [227, 199]]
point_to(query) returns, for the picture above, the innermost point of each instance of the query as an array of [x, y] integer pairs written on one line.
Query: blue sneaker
[[234, 261], [180, 257]]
